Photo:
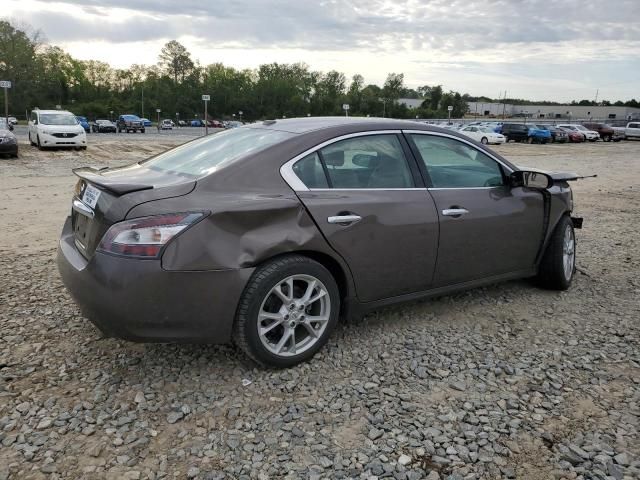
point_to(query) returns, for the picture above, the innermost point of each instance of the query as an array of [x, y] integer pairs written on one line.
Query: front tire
[[484, 141], [38, 142], [558, 264], [287, 311]]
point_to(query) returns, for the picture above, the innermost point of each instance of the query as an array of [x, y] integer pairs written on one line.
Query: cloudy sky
[[537, 49]]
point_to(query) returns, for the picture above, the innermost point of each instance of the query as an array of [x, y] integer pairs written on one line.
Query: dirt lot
[[502, 382]]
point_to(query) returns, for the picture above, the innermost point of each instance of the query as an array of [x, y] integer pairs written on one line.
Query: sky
[[534, 49]]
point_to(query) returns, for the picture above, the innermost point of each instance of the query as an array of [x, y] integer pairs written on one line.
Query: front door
[[486, 227], [366, 199]]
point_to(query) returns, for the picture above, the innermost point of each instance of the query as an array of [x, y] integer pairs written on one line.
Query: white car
[[484, 135], [56, 128], [167, 124], [590, 135]]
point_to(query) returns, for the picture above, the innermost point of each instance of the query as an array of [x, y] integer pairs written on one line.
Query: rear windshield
[[58, 119], [206, 155]]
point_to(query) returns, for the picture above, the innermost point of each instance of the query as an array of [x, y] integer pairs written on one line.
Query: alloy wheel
[[568, 252], [294, 314]]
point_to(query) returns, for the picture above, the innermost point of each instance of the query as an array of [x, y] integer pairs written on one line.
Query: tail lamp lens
[[146, 236]]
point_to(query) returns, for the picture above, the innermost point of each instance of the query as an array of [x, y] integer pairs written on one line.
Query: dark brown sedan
[[266, 234]]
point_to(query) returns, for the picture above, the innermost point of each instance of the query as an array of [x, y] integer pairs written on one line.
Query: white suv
[[56, 128], [590, 135]]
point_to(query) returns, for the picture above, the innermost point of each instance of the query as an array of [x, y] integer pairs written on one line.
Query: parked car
[[632, 130], [6, 124], [146, 122], [294, 221], [84, 123], [182, 123], [166, 124], [589, 135], [130, 123], [557, 134], [573, 136], [216, 124], [56, 128], [196, 123], [8, 141], [103, 126], [538, 135], [482, 134], [13, 121], [605, 131], [518, 132]]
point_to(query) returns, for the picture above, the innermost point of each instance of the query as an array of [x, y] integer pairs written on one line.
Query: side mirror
[[529, 179]]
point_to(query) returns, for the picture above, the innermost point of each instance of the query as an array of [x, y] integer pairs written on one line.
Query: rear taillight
[[146, 236]]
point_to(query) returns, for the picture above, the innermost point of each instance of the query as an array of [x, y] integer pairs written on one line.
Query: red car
[[574, 137]]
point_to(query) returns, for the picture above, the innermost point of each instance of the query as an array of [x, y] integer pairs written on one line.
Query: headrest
[[335, 159], [364, 160]]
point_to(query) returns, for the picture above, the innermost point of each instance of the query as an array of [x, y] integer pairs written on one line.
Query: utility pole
[[6, 84], [504, 105], [205, 99], [597, 92]]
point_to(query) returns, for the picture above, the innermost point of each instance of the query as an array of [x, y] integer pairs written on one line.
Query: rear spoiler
[[93, 176]]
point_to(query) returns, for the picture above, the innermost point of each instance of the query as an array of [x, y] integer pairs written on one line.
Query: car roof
[[54, 111], [310, 124]]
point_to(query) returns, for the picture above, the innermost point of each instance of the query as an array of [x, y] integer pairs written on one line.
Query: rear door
[[487, 228], [365, 194]]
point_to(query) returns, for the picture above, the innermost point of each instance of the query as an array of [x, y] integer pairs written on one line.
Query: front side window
[[454, 164], [372, 161]]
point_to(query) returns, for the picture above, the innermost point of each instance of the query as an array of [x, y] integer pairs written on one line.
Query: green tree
[[175, 60]]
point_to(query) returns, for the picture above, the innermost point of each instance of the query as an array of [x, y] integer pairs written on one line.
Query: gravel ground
[[507, 381]]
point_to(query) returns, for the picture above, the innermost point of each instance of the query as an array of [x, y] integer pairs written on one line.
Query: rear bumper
[[137, 300]]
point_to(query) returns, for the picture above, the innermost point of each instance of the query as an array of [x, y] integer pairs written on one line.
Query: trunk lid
[[105, 196]]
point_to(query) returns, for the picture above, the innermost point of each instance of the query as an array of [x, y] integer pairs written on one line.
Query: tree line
[[45, 76]]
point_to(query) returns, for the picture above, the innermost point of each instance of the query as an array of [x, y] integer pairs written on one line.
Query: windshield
[[82, 119], [103, 121], [131, 117], [204, 156], [58, 119]]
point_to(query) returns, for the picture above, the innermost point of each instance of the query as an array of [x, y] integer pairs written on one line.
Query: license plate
[[91, 195]]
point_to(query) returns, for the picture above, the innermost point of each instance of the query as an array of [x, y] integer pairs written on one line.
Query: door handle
[[344, 219], [454, 212]]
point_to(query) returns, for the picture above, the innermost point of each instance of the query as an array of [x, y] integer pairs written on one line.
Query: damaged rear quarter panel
[[242, 231]]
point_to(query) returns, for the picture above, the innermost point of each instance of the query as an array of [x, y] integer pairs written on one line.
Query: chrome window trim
[[289, 176], [439, 134], [365, 189]]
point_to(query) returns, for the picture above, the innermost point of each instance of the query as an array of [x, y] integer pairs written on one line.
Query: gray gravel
[[507, 381]]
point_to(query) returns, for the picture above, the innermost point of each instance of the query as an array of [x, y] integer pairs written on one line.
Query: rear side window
[[310, 171], [372, 161], [206, 155], [453, 164]]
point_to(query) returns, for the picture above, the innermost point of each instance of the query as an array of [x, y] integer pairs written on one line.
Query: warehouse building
[[551, 112], [611, 114]]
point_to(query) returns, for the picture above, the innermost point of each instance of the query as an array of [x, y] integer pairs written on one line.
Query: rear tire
[[530, 140], [558, 264], [142, 131], [484, 140], [276, 294]]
